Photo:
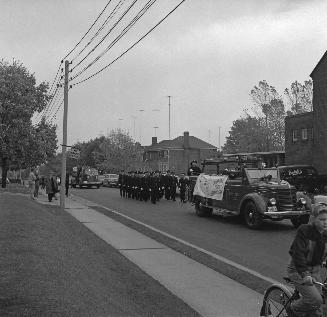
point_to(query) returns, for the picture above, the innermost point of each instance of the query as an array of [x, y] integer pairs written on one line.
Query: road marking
[[216, 256]]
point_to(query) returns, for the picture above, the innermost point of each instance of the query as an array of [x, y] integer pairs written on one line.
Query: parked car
[[304, 178], [110, 180], [251, 193], [101, 178]]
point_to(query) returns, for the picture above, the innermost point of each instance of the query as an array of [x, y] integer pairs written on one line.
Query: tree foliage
[[299, 97], [264, 128], [109, 154], [270, 110], [246, 135], [20, 98]]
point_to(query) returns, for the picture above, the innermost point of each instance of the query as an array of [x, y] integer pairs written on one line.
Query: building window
[[163, 154], [304, 134], [164, 167], [295, 135], [310, 133]]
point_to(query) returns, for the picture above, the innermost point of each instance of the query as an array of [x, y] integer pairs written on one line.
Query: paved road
[[265, 251]]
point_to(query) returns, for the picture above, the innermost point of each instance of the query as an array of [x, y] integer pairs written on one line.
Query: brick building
[[306, 133], [176, 154]]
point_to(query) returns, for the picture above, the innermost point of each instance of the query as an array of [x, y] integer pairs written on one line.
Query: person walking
[[182, 184], [173, 185], [121, 183], [37, 184], [67, 184], [31, 183], [51, 186]]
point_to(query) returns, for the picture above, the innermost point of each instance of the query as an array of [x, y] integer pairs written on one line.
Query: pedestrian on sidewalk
[[67, 184], [42, 185], [37, 184], [31, 182], [51, 186]]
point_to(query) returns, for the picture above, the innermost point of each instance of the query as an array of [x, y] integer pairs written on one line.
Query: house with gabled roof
[[176, 155]]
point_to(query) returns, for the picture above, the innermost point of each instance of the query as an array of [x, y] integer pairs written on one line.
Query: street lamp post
[[155, 131], [134, 118], [169, 115], [141, 111], [120, 119]]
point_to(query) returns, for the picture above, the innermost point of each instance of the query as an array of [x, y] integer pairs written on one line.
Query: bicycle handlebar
[[319, 283]]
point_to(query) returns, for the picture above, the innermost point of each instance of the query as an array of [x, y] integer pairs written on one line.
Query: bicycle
[[277, 297]]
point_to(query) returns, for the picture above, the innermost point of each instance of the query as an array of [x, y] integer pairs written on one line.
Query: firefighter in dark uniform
[[146, 183], [133, 192], [182, 184], [121, 183], [167, 185], [173, 185], [194, 170], [129, 184], [154, 186]]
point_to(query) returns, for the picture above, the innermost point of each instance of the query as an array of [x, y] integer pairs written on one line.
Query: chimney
[[186, 139], [154, 140]]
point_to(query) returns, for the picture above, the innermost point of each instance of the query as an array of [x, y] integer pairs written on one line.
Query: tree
[[246, 135], [269, 107], [299, 97], [110, 154], [20, 98]]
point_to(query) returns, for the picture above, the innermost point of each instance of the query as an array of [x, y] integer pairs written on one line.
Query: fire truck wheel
[[201, 210], [252, 217]]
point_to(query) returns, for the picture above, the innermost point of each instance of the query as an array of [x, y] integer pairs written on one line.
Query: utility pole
[[134, 127], [169, 114], [141, 111], [64, 140], [120, 120], [219, 138]]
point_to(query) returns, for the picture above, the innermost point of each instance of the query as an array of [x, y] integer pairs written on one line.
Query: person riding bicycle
[[308, 252]]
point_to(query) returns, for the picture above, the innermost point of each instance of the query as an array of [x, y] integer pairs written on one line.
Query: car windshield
[[265, 174]]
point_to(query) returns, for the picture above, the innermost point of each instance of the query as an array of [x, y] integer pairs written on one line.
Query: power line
[[123, 32], [87, 30], [54, 97], [53, 103], [112, 14], [55, 113], [93, 49], [40, 114], [138, 41]]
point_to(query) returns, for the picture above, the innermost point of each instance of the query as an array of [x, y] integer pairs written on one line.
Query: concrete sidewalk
[[206, 291]]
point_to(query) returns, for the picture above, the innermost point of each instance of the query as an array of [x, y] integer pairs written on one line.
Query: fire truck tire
[[252, 217], [201, 210]]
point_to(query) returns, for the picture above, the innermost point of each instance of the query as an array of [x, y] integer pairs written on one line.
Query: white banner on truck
[[210, 186]]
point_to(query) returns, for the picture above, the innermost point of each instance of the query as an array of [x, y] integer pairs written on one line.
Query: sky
[[207, 55]]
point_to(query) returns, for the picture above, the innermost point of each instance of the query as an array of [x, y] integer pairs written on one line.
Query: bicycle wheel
[[274, 301]]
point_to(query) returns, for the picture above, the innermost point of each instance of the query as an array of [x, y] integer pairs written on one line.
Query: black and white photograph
[[163, 158]]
